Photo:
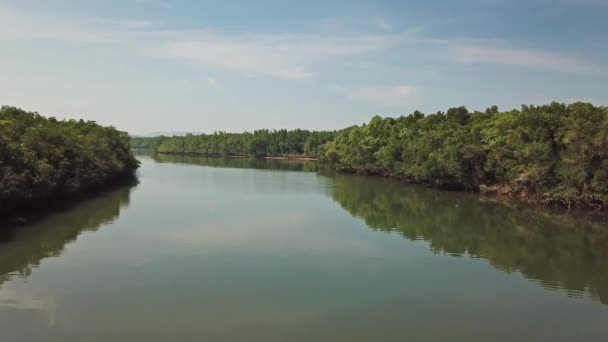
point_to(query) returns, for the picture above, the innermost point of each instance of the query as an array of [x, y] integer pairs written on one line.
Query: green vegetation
[[240, 163], [260, 143], [145, 143], [554, 153], [43, 157]]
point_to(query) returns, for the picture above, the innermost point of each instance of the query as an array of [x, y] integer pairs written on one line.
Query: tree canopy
[[553, 153], [43, 157], [259, 143]]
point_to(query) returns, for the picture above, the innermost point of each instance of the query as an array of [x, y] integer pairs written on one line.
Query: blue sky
[[173, 65]]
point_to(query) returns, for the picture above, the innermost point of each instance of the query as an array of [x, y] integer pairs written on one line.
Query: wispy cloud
[[356, 24], [18, 27], [285, 56], [472, 53], [382, 24], [401, 95], [159, 3], [212, 82], [289, 56], [137, 24], [247, 58]]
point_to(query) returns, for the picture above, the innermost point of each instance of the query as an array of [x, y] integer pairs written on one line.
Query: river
[[240, 250]]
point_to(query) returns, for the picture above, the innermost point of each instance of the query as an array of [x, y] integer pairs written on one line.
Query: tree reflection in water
[[555, 251], [24, 247]]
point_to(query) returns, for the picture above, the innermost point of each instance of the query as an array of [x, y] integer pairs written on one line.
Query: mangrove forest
[[43, 158], [555, 153]]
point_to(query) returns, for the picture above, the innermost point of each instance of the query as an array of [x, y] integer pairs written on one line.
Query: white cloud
[[247, 58], [288, 56], [284, 56], [159, 3], [401, 95], [17, 27], [356, 24], [137, 24], [467, 53], [383, 25], [212, 82]]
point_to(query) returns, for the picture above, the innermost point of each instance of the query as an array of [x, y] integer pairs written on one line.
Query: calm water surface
[[237, 250]]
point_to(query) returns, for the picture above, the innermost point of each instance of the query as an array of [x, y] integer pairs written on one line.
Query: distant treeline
[[554, 153], [259, 143], [145, 143], [44, 157]]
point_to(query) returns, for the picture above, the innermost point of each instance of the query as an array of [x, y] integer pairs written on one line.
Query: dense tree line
[[240, 163], [259, 143], [44, 157], [554, 153], [145, 143]]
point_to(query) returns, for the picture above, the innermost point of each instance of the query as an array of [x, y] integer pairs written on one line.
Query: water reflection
[[23, 301], [240, 163], [557, 252], [24, 247]]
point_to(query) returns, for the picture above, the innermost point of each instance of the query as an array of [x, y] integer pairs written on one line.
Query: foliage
[[241, 163], [42, 157], [146, 143], [260, 143], [554, 153]]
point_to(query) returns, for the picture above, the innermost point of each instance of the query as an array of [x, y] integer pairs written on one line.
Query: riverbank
[[27, 210], [585, 204], [502, 192], [45, 160], [254, 232], [289, 157], [554, 154], [302, 158]]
